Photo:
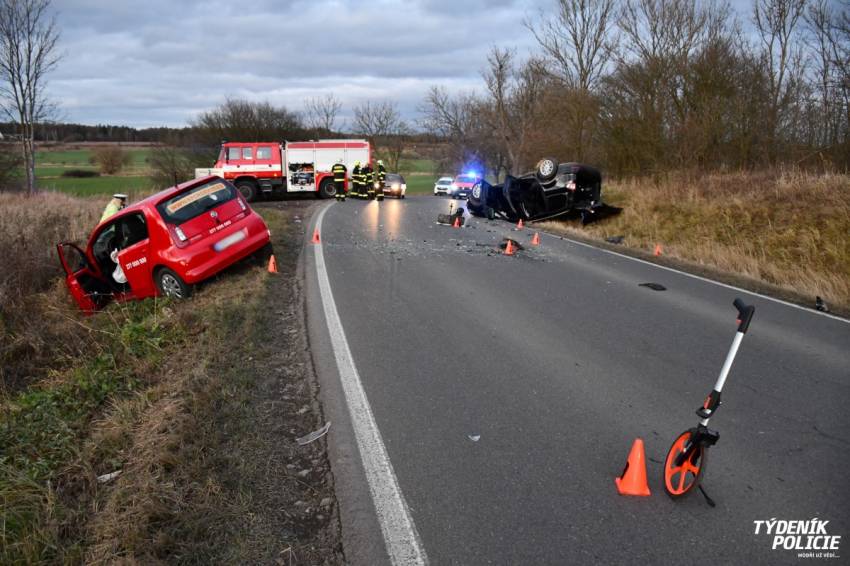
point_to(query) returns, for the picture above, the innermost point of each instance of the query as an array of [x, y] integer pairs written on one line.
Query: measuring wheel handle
[[685, 463]]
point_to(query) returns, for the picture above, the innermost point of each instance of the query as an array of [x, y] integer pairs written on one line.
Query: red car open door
[[85, 285]]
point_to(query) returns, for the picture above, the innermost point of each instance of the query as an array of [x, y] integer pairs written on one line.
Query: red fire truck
[[263, 168]]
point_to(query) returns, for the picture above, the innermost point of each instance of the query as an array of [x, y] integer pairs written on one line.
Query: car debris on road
[[313, 436]]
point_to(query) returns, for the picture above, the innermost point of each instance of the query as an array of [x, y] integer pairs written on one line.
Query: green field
[[96, 185], [50, 164], [76, 158], [425, 166], [419, 184]]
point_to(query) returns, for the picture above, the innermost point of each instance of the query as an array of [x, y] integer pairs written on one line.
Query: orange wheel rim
[[680, 479]]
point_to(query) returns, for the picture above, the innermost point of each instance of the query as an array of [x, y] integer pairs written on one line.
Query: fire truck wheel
[[248, 190], [327, 189]]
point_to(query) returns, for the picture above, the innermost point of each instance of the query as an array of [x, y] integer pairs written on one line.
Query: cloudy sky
[[161, 62]]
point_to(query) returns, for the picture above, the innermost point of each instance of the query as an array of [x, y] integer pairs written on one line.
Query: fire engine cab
[[292, 167]]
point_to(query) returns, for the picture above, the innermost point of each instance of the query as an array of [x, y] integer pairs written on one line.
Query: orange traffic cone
[[509, 248], [520, 225], [633, 480], [535, 240], [657, 251], [457, 222], [316, 239], [272, 264]]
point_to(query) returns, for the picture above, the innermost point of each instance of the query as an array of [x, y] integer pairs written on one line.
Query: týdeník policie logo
[[810, 538]]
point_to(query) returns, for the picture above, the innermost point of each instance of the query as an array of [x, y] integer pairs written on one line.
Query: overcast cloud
[[161, 62]]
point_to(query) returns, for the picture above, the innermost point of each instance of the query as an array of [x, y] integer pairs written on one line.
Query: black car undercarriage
[[552, 189]]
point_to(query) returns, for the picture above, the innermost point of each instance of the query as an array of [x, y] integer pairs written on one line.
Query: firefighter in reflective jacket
[[355, 179], [380, 175], [339, 180], [368, 179]]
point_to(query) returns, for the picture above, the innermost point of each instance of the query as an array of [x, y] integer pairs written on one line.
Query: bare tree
[[447, 116], [515, 95], [28, 40], [382, 124], [322, 112], [818, 19], [461, 120], [243, 120], [776, 22], [577, 42], [375, 119]]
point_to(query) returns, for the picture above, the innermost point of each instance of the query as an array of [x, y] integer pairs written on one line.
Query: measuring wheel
[[682, 472]]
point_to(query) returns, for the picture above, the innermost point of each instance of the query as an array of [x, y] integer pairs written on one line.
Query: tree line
[[642, 86]]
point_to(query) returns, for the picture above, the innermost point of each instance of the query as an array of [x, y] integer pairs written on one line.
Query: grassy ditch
[[158, 431], [788, 230]]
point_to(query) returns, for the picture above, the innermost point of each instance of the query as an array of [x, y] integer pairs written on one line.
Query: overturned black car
[[550, 190]]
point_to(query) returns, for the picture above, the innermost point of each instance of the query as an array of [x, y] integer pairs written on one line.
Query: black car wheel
[[546, 169], [171, 285], [248, 190]]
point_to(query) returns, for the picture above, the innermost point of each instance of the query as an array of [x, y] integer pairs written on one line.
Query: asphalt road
[[558, 360]]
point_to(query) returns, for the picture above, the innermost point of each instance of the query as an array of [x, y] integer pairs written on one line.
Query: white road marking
[[692, 276], [402, 540]]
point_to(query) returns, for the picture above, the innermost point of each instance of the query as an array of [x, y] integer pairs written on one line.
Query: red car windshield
[[196, 201]]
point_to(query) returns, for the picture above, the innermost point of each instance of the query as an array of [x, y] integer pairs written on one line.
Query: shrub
[[111, 159], [80, 173], [170, 164]]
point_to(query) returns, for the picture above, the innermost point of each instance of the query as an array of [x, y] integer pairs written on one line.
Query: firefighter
[[368, 179], [355, 180], [339, 179], [380, 175]]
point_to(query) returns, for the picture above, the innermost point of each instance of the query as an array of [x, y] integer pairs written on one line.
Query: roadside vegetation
[[154, 431], [85, 170], [788, 229]]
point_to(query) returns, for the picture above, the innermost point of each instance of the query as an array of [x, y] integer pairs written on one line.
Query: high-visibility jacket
[[356, 177], [367, 177], [112, 208], [382, 173], [339, 172]]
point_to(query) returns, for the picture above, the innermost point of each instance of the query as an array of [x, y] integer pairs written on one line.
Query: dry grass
[[30, 228], [789, 229], [37, 320], [165, 393]]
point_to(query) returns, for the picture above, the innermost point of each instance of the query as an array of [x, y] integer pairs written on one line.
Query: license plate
[[225, 243]]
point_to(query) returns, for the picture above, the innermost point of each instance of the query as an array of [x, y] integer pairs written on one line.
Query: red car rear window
[[196, 201]]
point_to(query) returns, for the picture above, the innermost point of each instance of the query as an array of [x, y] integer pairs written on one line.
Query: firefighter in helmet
[[339, 179], [355, 180], [380, 175], [368, 179]]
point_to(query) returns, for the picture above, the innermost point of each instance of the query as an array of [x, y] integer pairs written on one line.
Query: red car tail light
[[177, 235]]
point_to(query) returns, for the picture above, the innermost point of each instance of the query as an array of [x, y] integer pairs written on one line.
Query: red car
[[164, 244]]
